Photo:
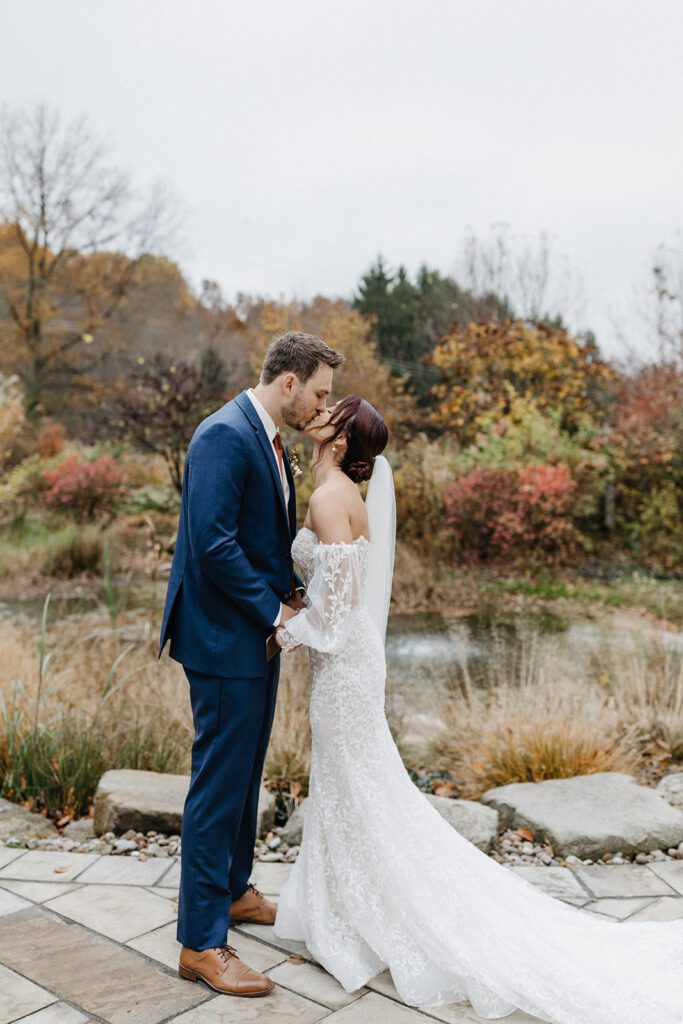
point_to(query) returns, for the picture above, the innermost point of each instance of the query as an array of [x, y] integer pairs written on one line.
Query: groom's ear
[[288, 382]]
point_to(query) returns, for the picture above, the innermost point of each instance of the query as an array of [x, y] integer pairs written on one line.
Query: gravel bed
[[515, 847], [142, 845], [510, 848]]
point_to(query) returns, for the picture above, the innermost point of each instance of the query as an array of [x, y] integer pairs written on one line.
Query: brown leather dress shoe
[[223, 971], [253, 906]]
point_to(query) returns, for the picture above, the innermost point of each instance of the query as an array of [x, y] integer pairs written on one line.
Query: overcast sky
[[306, 136]]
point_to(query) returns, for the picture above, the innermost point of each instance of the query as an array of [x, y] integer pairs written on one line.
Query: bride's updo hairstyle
[[366, 436]]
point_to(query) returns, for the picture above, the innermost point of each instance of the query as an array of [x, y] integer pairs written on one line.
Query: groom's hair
[[298, 353]]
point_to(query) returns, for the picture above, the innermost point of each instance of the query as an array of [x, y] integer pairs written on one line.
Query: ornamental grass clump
[[529, 716], [289, 753], [80, 697], [645, 683]]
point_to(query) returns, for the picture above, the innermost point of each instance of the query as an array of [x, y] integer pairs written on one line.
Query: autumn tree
[[645, 446], [221, 329], [482, 364], [72, 238], [158, 406], [11, 417]]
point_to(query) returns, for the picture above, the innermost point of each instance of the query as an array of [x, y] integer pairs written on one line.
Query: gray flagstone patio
[[92, 938]]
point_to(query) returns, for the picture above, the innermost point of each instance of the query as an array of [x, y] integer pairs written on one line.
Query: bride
[[382, 880]]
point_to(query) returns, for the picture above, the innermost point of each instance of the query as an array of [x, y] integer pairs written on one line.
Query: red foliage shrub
[[499, 513], [645, 446], [475, 504], [646, 426], [84, 489]]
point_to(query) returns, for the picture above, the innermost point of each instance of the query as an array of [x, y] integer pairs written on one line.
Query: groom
[[231, 582]]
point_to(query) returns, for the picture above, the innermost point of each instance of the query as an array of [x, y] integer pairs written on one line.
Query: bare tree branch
[[527, 276], [61, 199]]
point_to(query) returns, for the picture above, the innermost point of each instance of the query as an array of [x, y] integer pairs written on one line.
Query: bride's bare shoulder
[[334, 509]]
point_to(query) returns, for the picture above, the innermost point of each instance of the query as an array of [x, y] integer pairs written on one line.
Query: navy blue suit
[[231, 568]]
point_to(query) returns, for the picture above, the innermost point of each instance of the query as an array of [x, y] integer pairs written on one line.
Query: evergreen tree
[[404, 319], [440, 303], [390, 300]]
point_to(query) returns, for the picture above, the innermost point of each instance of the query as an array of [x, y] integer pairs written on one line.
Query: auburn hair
[[366, 436]]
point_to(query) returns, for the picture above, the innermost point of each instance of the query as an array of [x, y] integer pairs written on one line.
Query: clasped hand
[[295, 603]]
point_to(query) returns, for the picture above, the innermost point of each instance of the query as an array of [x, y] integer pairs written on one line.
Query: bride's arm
[[333, 592]]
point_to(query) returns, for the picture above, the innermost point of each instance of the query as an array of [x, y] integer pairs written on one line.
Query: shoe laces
[[252, 887], [226, 952]]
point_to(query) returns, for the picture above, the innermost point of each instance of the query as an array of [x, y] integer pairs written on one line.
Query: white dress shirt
[[271, 431]]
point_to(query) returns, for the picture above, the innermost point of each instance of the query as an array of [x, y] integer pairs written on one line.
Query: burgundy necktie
[[277, 442]]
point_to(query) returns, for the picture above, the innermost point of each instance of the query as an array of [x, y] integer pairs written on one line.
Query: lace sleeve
[[333, 598]]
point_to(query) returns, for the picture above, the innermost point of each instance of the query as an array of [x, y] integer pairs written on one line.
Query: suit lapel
[[247, 407]]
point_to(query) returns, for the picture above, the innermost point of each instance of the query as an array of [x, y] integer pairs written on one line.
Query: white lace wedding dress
[[382, 880]]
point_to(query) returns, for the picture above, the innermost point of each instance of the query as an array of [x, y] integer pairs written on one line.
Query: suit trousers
[[232, 722]]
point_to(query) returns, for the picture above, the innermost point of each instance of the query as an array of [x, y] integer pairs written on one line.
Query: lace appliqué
[[333, 598]]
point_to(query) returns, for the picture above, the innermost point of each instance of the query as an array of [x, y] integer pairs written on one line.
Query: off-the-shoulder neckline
[[339, 543]]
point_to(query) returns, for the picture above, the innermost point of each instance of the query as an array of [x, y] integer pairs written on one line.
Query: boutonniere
[[293, 459]]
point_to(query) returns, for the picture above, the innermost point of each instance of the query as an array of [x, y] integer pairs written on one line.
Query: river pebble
[[510, 848], [513, 848]]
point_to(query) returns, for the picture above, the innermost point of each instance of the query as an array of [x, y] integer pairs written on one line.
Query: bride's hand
[[286, 644]]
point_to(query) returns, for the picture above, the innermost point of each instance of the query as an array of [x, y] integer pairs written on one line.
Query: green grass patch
[[532, 588], [30, 543], [660, 598], [57, 765]]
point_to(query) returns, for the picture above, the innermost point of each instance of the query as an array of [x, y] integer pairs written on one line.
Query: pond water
[[86, 598], [430, 655], [442, 642]]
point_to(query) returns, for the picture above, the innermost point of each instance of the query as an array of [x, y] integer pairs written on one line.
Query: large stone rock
[[671, 788], [145, 801], [17, 822], [294, 829], [589, 815], [80, 830], [474, 822]]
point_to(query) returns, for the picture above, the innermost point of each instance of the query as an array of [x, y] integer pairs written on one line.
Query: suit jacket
[[232, 563]]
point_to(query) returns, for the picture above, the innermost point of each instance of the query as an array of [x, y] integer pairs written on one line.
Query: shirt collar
[[265, 417]]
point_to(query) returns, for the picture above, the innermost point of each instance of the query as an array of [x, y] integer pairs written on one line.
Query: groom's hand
[[273, 644], [296, 601], [288, 612]]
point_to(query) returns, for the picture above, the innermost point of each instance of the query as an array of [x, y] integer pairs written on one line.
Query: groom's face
[[307, 401]]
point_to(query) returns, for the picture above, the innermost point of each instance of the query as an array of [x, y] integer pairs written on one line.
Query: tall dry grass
[[79, 696], [289, 752], [87, 694], [645, 682], [528, 714]]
